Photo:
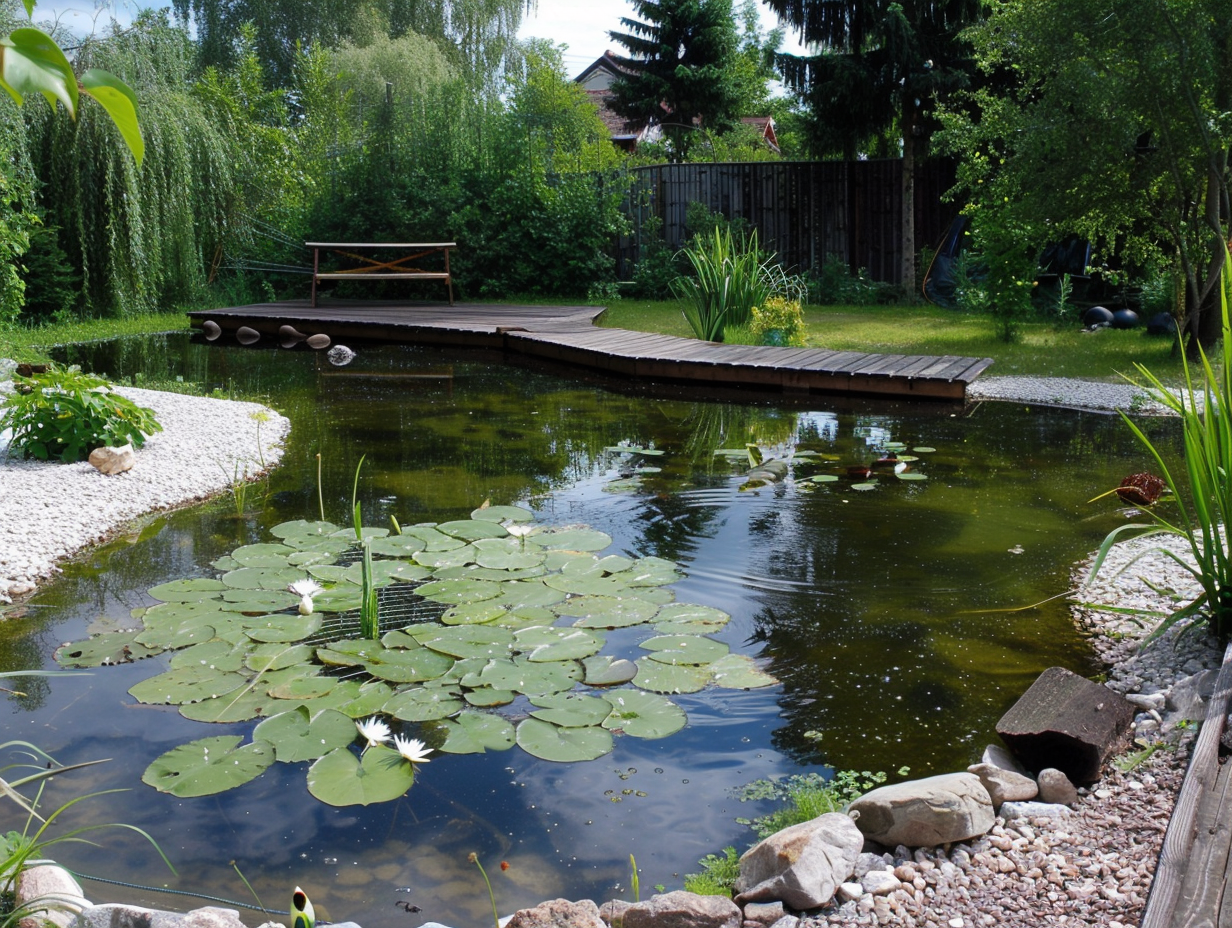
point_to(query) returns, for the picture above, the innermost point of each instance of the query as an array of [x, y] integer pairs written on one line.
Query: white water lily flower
[[412, 749], [305, 589], [376, 731]]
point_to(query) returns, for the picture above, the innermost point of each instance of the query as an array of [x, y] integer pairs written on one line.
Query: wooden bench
[[372, 268]]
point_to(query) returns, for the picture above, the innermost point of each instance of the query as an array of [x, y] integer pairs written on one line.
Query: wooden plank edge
[[1178, 840]]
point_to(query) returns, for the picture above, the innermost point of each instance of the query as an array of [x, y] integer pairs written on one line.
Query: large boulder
[[558, 913], [1067, 722], [801, 866], [924, 813], [681, 909]]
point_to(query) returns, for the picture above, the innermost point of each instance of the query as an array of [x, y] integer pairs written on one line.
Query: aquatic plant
[[1199, 487], [65, 414], [474, 858], [730, 277], [473, 616]]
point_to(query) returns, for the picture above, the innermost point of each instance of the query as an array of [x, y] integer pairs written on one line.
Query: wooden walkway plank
[[568, 335]]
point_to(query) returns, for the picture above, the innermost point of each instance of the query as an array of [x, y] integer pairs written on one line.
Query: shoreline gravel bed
[[1093, 867], [50, 511]]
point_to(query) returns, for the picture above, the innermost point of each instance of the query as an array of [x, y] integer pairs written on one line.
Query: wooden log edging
[[1200, 779]]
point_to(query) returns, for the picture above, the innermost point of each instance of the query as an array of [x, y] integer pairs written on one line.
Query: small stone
[[849, 891], [113, 460], [955, 923], [1055, 787], [1031, 810], [880, 882]]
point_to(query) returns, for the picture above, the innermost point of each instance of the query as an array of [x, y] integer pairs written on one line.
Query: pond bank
[[51, 511]]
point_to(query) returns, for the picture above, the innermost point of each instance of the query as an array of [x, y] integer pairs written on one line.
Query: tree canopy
[[1116, 129], [679, 71]]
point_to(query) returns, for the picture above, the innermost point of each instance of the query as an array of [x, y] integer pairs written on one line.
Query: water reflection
[[877, 610]]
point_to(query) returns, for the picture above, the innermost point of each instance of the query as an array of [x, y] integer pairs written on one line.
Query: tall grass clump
[[1199, 485], [730, 277]]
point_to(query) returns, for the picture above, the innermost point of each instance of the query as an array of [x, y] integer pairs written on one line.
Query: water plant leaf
[[608, 611], [477, 733], [173, 635], [432, 539], [564, 745], [187, 591], [635, 449], [262, 555], [342, 779], [304, 688], [473, 613], [526, 616], [530, 593], [472, 530], [740, 672], [526, 677], [650, 571], [465, 640], [509, 560], [573, 563], [299, 528], [556, 644], [238, 705], [397, 545], [603, 670], [670, 678], [184, 685], [277, 656], [864, 487], [115, 648], [486, 696], [423, 704], [300, 735], [653, 594], [623, 485], [574, 539], [284, 628], [342, 598], [823, 478], [923, 449], [208, 766], [407, 666], [262, 578], [329, 573], [304, 559], [215, 654], [685, 649], [911, 475], [358, 700], [571, 710], [454, 557], [259, 600], [690, 619], [385, 572], [643, 715], [591, 584], [348, 534], [459, 591], [226, 562], [471, 572], [503, 514]]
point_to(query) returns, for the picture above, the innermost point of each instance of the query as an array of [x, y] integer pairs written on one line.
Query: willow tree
[[882, 66], [479, 33], [1117, 131]]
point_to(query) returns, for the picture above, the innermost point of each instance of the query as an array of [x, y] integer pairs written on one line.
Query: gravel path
[[49, 511]]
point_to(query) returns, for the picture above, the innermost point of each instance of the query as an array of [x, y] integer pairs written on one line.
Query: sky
[[583, 25]]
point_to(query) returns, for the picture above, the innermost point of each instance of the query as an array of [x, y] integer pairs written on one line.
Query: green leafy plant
[[718, 875], [634, 880], [778, 321], [1199, 488], [63, 413], [808, 795], [730, 277], [474, 858]]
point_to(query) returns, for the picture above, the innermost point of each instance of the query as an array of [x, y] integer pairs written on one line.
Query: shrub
[[730, 277], [834, 284], [778, 321], [66, 414]]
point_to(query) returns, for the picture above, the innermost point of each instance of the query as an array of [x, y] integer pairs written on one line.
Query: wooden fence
[[802, 210]]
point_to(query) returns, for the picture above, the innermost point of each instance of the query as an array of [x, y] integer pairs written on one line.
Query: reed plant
[[1200, 487], [730, 277]]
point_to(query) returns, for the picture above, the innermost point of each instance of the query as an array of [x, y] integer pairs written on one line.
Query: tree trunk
[[907, 273]]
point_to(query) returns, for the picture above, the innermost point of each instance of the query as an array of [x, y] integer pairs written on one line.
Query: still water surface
[[881, 612]]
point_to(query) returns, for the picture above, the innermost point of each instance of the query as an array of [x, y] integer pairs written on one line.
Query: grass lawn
[[22, 344], [1042, 349]]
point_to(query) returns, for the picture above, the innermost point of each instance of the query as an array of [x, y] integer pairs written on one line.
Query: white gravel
[[49, 510], [1066, 392]]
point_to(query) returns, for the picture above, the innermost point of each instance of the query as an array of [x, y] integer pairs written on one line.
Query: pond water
[[883, 613]]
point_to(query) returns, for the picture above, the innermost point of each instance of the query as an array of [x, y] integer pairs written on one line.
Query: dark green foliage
[[680, 63], [53, 285], [657, 265], [18, 220], [718, 876], [66, 414]]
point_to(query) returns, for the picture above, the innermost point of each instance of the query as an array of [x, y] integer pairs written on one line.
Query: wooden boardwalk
[[568, 335]]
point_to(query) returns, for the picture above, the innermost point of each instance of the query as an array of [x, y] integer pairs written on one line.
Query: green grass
[[1043, 348], [30, 344]]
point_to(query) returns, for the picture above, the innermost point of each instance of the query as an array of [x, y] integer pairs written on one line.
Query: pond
[[883, 613]]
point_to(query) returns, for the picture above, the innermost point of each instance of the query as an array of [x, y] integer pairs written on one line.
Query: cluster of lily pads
[[493, 629], [765, 472]]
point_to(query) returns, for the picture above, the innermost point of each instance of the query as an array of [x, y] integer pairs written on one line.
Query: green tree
[[1117, 130], [679, 70], [883, 65]]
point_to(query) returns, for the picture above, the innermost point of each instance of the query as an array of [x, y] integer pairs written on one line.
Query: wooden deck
[[568, 335]]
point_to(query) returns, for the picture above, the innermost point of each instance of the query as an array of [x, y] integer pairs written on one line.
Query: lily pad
[[342, 779], [685, 649], [277, 656], [359, 700], [530, 593], [571, 710], [911, 475], [397, 545], [564, 745], [208, 766], [172, 636], [304, 688], [739, 672], [602, 670], [385, 572], [473, 613], [556, 644], [670, 678], [503, 514], [238, 705], [576, 539], [526, 616], [477, 733], [823, 478], [258, 600], [459, 591], [423, 704], [864, 487], [185, 685], [486, 697], [341, 598], [592, 584], [413, 666], [187, 591], [509, 560], [526, 677], [608, 611], [302, 529], [283, 628], [690, 619], [923, 449], [432, 539], [643, 715], [471, 529], [262, 578], [299, 735], [650, 571], [102, 650], [262, 555], [465, 640]]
